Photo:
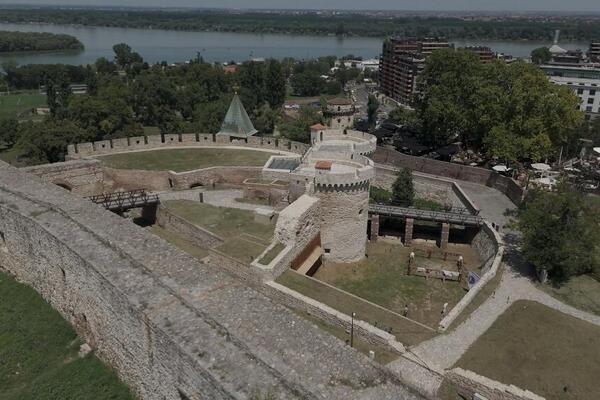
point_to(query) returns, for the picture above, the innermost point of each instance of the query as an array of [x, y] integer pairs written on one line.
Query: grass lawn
[[245, 239], [38, 353], [540, 349], [381, 278], [271, 254], [179, 241], [407, 332], [11, 106], [582, 292], [180, 160]]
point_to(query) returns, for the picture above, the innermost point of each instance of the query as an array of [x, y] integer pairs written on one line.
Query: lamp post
[[352, 331]]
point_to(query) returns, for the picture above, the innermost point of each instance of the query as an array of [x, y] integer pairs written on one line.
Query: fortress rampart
[[121, 145], [173, 328]]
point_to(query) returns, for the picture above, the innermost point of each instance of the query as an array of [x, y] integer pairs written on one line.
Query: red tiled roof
[[340, 101], [317, 127], [323, 164]]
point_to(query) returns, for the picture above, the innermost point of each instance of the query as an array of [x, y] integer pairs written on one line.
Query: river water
[[178, 46]]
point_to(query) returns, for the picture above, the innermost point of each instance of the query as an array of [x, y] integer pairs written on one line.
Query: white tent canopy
[[597, 150], [501, 168], [541, 167]]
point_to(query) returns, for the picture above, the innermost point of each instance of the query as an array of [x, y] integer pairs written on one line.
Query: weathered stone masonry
[[169, 325]]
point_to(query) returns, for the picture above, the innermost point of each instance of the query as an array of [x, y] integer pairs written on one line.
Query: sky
[[417, 5]]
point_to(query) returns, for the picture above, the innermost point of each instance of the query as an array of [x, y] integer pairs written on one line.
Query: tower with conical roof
[[237, 122]]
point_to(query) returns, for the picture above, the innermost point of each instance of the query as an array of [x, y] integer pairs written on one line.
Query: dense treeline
[[37, 41], [509, 111], [126, 95], [572, 28]]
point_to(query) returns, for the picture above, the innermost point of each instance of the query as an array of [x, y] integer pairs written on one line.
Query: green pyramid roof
[[237, 123]]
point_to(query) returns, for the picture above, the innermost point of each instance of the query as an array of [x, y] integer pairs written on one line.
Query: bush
[[403, 191]]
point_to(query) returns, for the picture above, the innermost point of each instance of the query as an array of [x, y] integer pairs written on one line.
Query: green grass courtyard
[[244, 238], [38, 353], [13, 105], [539, 349], [180, 160]]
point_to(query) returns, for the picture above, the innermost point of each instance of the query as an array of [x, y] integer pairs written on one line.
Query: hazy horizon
[[573, 6]]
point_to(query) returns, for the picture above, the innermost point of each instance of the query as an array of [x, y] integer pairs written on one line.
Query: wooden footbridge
[[123, 201]]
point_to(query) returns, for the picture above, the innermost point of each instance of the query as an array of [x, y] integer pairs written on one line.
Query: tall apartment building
[[485, 54], [583, 80], [401, 62], [594, 51]]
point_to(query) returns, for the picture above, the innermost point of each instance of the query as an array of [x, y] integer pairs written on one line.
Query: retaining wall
[[212, 175], [193, 233], [83, 177], [451, 170], [104, 147], [488, 243], [470, 384]]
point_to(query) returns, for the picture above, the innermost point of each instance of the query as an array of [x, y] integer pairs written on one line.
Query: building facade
[[583, 80], [594, 51], [402, 61]]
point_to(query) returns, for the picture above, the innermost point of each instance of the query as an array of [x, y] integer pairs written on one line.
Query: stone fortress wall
[[82, 150], [171, 327], [325, 198]]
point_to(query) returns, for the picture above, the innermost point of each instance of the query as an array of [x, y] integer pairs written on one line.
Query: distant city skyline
[[422, 5]]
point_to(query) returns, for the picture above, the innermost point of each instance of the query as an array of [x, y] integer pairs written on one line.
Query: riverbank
[[157, 45]]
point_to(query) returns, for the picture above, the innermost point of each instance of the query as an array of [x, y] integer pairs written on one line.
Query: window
[[592, 92], [579, 91], [588, 109], [327, 250], [591, 100]]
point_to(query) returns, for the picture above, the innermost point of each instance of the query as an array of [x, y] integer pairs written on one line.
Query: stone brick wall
[[451, 170], [83, 177], [193, 233], [426, 187], [344, 217], [130, 179], [490, 247], [168, 324], [213, 175], [469, 384], [186, 140]]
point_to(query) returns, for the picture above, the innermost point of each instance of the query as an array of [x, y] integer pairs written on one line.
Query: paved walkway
[[443, 351], [221, 198]]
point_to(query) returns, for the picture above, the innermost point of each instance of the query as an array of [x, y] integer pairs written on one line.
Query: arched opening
[[63, 185], [196, 185], [321, 136]]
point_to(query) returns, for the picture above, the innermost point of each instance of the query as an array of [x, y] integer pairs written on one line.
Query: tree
[[299, 129], [275, 84], [9, 131], [541, 55], [105, 67], [403, 191], [372, 107], [307, 83], [58, 93], [46, 142], [209, 116], [125, 57], [560, 233], [405, 116], [511, 111], [253, 91], [266, 119]]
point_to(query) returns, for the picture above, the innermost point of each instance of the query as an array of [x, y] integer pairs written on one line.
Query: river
[[178, 46]]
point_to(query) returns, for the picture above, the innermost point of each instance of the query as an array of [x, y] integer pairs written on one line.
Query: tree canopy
[[403, 190], [561, 233], [541, 55], [511, 111]]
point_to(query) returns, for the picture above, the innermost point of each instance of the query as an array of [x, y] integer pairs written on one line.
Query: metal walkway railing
[[426, 215]]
